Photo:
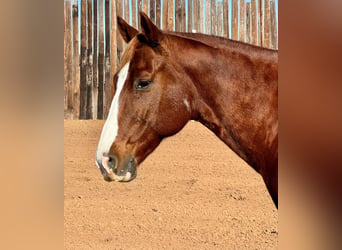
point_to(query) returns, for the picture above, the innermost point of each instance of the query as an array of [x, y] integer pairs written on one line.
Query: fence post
[[274, 36], [235, 24], [164, 14], [95, 64], [254, 23], [68, 105], [76, 61], [113, 44], [213, 18], [190, 20], [219, 19], [248, 23], [90, 104], [170, 17], [134, 14], [108, 82], [267, 41], [152, 10], [158, 3], [83, 69], [242, 20], [261, 25], [225, 18], [100, 63], [207, 17]]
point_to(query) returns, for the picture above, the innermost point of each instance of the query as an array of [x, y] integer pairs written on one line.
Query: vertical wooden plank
[[158, 6], [195, 16], [248, 23], [108, 83], [261, 20], [83, 70], [134, 13], [145, 7], [153, 10], [190, 15], [201, 17], [95, 63], [235, 22], [65, 69], [184, 24], [170, 16], [126, 9], [207, 17], [225, 18], [213, 18], [242, 20], [254, 23], [76, 61], [113, 49], [120, 42], [140, 9], [267, 22], [219, 18], [100, 62], [274, 27], [178, 15], [164, 14], [90, 105], [68, 60]]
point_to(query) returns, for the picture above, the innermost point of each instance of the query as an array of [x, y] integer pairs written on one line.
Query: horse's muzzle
[[113, 171]]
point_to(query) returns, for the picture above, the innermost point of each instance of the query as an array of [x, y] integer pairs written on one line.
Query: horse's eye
[[142, 84]]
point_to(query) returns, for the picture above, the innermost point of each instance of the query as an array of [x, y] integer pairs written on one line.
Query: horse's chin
[[111, 176]]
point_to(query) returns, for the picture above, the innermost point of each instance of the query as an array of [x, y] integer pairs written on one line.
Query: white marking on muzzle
[[111, 126], [186, 102]]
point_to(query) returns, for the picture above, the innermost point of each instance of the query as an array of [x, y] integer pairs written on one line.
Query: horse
[[167, 78]]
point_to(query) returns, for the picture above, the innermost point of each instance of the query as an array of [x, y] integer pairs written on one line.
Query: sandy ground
[[193, 192]]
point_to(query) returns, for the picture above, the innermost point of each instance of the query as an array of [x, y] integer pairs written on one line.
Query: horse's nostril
[[112, 162]]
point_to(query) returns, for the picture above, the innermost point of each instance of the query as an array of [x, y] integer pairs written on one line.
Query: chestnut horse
[[166, 79]]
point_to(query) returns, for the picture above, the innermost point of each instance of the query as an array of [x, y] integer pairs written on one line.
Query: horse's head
[[151, 101]]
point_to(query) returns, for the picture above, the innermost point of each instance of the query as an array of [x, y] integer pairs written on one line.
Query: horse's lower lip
[[110, 176]]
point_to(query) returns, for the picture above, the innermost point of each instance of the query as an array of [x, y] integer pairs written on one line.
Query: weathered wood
[[108, 83], [235, 22], [90, 105], [242, 20], [178, 13], [68, 54], [183, 16], [260, 21], [120, 42], [140, 9], [153, 10], [95, 63], [164, 14], [76, 61], [207, 17], [219, 19], [101, 62], [134, 14], [267, 22], [225, 18], [196, 16], [248, 23], [158, 6], [274, 30], [83, 54], [126, 9], [254, 23], [113, 46], [190, 16], [145, 7], [213, 18], [170, 16]]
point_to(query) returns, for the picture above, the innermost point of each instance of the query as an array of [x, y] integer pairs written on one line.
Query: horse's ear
[[127, 32], [150, 32]]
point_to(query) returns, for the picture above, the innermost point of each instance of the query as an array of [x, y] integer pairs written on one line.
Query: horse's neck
[[236, 98]]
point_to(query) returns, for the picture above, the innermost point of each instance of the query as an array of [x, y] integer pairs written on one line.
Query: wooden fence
[[92, 46]]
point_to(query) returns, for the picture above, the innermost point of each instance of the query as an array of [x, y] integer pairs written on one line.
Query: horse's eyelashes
[[142, 84]]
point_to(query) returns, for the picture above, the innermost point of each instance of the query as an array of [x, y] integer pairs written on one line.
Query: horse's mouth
[[111, 176]]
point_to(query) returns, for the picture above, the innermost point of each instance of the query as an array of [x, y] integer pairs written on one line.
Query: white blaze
[[111, 126]]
